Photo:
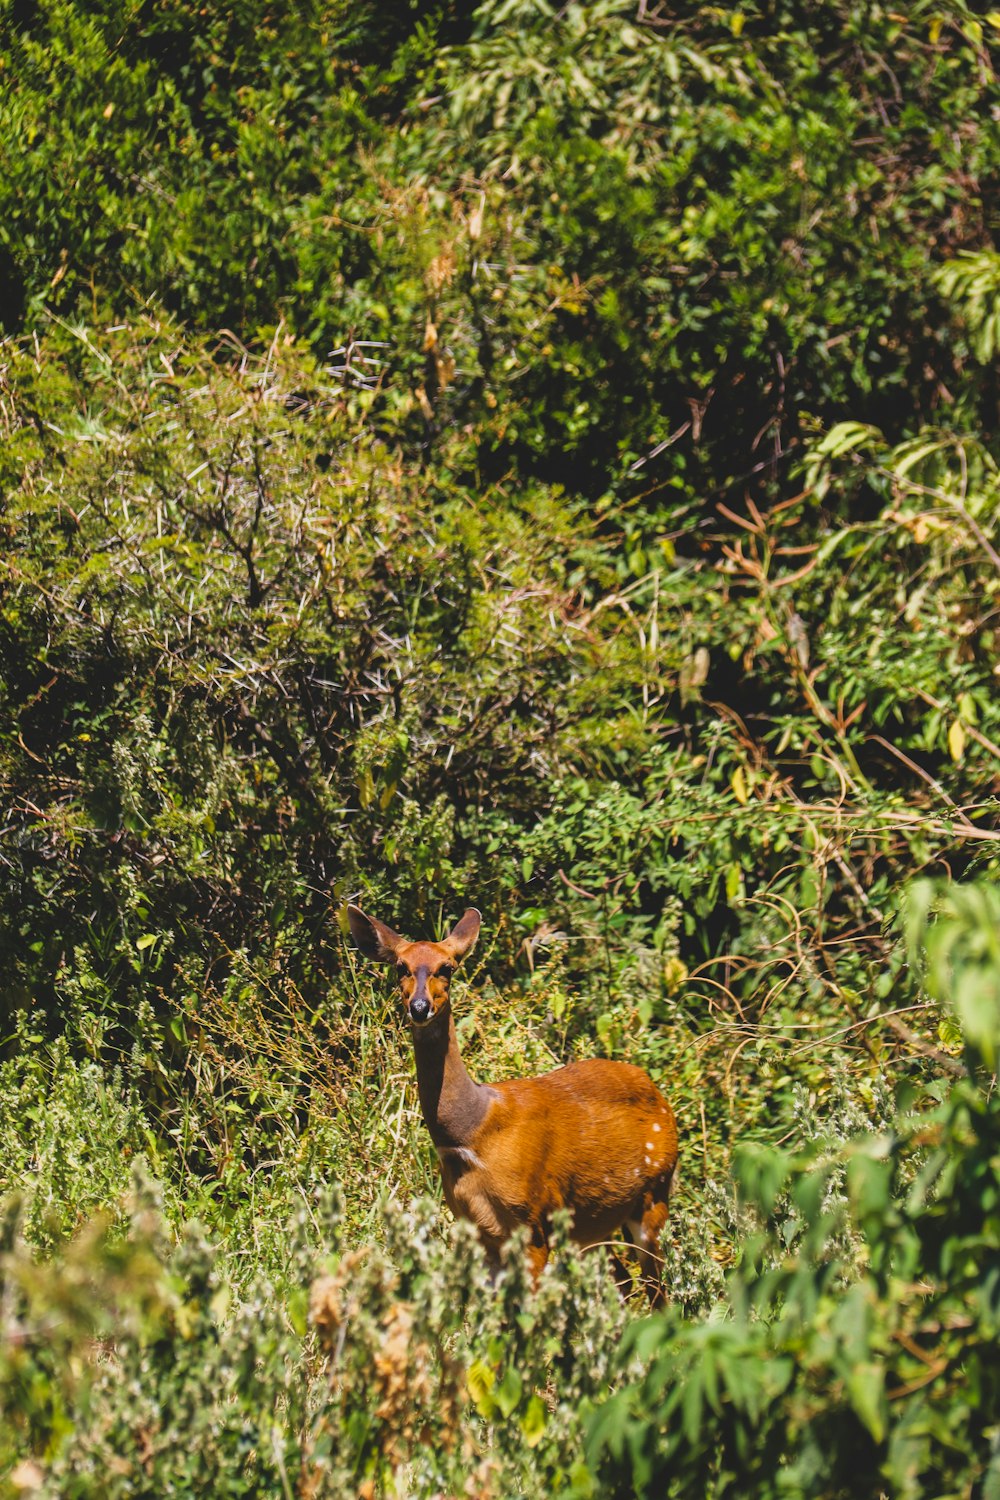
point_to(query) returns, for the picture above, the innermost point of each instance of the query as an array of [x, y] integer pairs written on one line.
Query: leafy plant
[[844, 1373]]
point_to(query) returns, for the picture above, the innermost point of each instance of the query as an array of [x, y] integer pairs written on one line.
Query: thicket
[[540, 458]]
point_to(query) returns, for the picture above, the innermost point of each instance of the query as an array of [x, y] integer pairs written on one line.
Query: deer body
[[596, 1137]]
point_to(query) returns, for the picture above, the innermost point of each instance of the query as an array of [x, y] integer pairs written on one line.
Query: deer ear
[[464, 933], [373, 937]]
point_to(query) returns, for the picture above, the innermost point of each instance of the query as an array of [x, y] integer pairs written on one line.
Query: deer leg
[[647, 1232], [538, 1251], [538, 1256], [493, 1258]]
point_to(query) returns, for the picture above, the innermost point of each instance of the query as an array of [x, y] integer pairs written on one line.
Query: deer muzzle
[[420, 1010]]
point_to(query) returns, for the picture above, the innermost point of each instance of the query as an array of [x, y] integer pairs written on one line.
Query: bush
[[846, 1371], [132, 1366]]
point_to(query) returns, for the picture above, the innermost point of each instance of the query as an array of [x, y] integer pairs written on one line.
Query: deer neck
[[452, 1103]]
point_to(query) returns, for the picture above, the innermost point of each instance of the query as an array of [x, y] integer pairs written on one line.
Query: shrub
[[846, 1374]]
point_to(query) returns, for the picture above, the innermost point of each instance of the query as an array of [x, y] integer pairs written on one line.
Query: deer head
[[424, 970]]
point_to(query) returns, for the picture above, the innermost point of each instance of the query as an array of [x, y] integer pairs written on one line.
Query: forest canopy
[[535, 457]]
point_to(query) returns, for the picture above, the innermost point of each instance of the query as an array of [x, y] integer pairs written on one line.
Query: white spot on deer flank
[[656, 1127], [649, 1145], [646, 1160]]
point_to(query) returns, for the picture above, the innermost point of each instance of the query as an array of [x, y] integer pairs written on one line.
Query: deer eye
[[445, 972], [402, 972]]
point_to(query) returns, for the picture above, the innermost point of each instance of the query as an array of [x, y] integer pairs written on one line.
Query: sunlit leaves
[[835, 1372], [954, 937], [972, 282]]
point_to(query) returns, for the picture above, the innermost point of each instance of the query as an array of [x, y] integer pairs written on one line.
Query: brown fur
[[596, 1137]]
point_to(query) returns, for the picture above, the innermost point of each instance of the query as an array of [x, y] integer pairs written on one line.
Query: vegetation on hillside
[[536, 457]]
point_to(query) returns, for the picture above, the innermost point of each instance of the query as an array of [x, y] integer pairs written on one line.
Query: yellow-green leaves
[[481, 1382], [954, 937], [971, 280]]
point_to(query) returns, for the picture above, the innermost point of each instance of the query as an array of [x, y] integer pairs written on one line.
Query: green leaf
[[869, 1181], [866, 1388], [534, 1421], [298, 1310], [508, 1393], [480, 1380]]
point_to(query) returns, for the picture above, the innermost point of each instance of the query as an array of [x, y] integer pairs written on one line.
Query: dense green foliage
[[855, 1348], [538, 457], [859, 1350]]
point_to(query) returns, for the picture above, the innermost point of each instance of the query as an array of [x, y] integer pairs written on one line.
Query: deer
[[595, 1137]]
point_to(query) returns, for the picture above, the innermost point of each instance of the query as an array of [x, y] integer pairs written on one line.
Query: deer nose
[[420, 1009]]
